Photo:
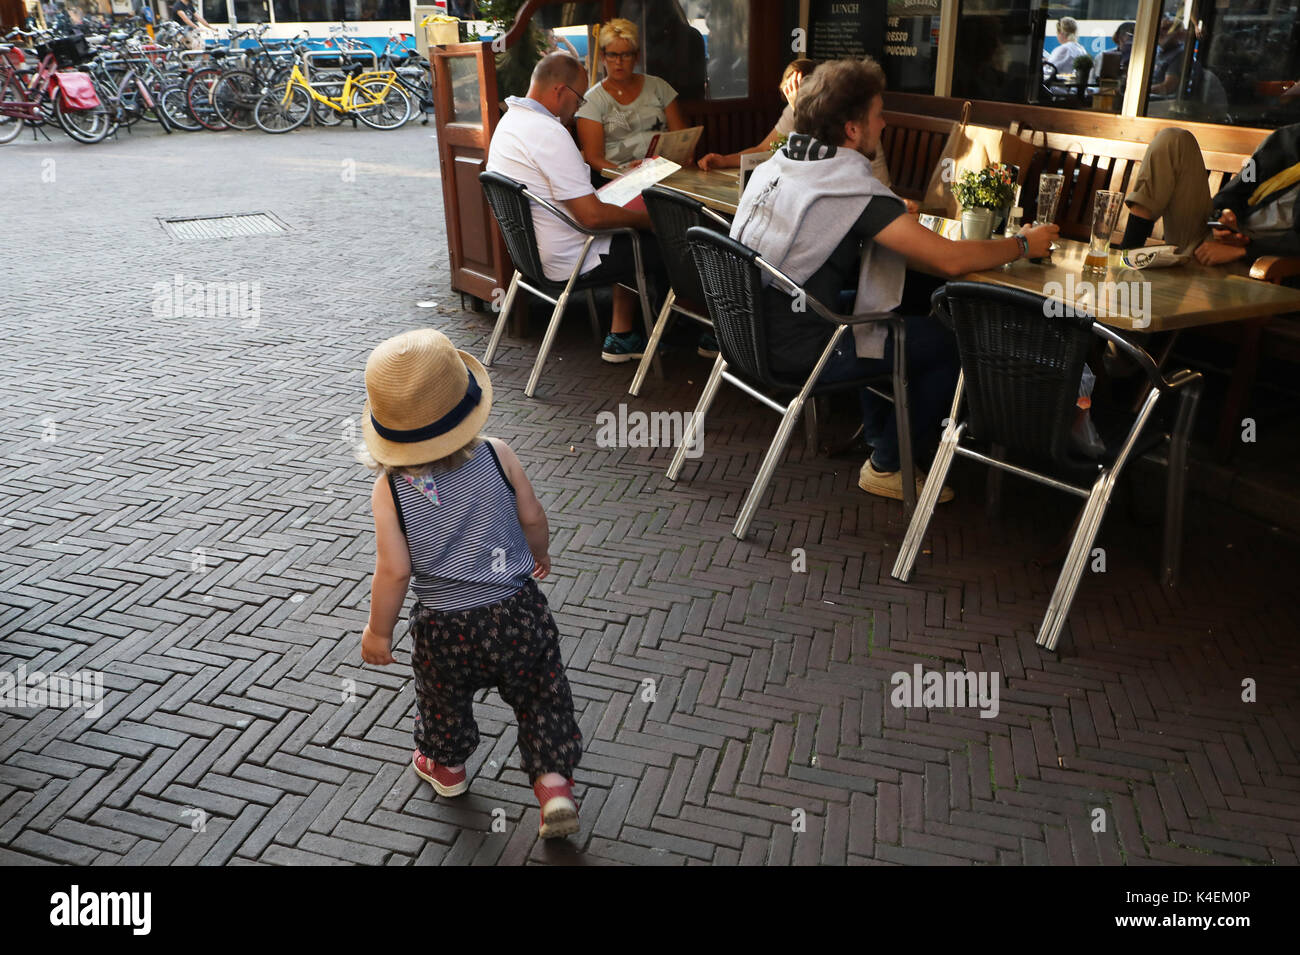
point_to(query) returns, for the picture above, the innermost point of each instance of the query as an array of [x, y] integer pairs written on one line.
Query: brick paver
[[181, 512]]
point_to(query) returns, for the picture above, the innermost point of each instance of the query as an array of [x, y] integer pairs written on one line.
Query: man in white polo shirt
[[532, 145]]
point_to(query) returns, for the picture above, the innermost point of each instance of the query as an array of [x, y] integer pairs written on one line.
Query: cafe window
[[701, 47], [1071, 55], [911, 48], [1216, 62]]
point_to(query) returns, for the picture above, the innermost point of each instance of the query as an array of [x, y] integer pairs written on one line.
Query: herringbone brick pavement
[[181, 512]]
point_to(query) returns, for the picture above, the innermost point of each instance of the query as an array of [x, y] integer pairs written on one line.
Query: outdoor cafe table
[[1174, 298], [1178, 297], [716, 188]]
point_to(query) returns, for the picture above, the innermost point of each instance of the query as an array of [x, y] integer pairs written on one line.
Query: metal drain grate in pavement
[[224, 227]]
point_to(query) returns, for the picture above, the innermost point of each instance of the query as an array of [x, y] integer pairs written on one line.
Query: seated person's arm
[[676, 120], [933, 253], [594, 214], [591, 137], [732, 160]]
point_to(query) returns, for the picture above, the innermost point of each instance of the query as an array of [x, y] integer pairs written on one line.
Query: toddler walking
[[456, 519]]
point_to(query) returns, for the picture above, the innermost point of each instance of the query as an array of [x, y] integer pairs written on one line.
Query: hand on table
[[1214, 252], [1229, 235], [1040, 238], [712, 161]]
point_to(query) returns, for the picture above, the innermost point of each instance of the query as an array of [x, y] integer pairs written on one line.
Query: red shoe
[[446, 782], [559, 811]]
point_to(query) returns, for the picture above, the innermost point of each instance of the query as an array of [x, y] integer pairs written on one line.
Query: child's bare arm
[[392, 575], [531, 516]]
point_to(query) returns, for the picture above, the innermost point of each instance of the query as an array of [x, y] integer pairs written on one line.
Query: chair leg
[[1171, 561], [810, 427], [595, 318], [697, 419], [502, 319], [547, 341], [1066, 585], [934, 481], [902, 414], [652, 346], [773, 457], [993, 503]]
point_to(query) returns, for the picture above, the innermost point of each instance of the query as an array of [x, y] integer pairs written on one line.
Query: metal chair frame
[[1186, 384], [671, 305], [791, 410], [537, 285]]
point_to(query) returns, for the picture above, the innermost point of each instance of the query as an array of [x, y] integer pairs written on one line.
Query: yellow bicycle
[[374, 97]]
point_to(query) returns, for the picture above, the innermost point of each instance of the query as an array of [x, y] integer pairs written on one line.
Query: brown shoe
[[890, 484]]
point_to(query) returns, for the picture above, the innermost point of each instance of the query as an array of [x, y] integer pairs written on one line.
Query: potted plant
[[981, 195], [1082, 73]]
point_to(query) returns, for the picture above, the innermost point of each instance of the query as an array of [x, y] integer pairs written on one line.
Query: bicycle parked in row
[[49, 91]]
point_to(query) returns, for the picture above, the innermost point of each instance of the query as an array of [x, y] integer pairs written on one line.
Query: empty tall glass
[[1105, 214], [1049, 194]]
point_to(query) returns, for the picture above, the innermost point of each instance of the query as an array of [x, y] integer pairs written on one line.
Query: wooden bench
[[1076, 144]]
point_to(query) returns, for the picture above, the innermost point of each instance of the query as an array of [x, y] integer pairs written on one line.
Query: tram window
[[252, 11], [214, 11]]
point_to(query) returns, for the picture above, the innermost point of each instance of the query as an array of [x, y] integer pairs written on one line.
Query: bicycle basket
[[67, 50]]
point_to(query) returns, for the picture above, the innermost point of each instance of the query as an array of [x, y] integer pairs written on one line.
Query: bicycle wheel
[[380, 105], [178, 113], [282, 108], [327, 83], [198, 97], [160, 114], [10, 126], [234, 96], [83, 125]]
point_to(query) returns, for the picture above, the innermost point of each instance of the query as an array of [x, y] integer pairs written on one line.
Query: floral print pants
[[512, 645]]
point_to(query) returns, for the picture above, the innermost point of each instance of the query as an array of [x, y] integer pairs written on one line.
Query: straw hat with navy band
[[425, 399]]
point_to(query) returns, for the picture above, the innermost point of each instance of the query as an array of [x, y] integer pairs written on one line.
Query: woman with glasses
[[625, 110]]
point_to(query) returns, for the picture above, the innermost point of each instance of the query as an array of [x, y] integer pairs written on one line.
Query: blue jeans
[[932, 368]]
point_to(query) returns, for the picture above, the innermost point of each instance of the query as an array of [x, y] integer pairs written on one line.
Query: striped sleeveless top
[[468, 550]]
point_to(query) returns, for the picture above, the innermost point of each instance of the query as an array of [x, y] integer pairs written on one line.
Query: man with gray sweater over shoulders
[[815, 211]]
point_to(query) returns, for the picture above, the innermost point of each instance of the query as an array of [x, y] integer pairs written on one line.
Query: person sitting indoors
[[531, 145], [625, 110], [814, 212], [1067, 34], [793, 76], [1260, 210]]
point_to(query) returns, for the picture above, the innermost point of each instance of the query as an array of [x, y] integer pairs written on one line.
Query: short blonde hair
[[618, 29], [450, 462]]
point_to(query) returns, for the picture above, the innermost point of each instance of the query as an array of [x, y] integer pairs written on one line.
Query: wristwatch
[[1024, 246]]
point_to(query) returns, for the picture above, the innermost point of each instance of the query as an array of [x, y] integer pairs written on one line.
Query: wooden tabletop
[[717, 188], [1150, 300]]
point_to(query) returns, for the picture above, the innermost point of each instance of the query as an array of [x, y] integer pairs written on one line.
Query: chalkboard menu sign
[[846, 28]]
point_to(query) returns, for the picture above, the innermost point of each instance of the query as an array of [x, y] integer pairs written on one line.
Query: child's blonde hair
[[449, 463]]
